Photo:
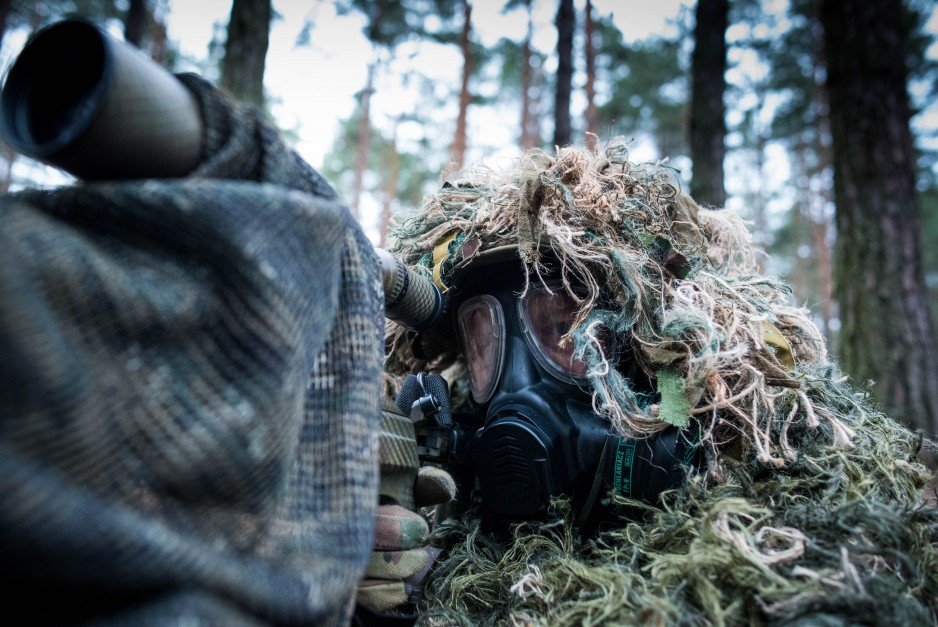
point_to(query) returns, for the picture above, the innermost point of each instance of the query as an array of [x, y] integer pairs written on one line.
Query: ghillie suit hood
[[811, 504]]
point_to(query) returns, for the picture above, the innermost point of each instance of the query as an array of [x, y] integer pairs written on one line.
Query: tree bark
[[390, 190], [536, 106], [822, 148], [708, 84], [886, 329], [566, 24], [242, 68], [459, 138], [5, 6], [822, 255], [135, 22], [364, 141], [159, 43], [761, 194], [529, 133], [592, 113]]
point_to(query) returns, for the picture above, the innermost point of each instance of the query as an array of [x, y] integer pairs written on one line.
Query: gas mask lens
[[482, 334], [547, 318]]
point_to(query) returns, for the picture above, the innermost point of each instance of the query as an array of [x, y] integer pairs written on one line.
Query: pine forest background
[[816, 120]]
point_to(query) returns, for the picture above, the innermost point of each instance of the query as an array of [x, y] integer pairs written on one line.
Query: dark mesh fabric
[[190, 380]]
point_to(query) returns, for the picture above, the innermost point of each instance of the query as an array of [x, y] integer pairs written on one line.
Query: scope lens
[[55, 88]]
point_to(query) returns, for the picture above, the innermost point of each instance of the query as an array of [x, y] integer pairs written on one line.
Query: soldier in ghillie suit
[[643, 429]]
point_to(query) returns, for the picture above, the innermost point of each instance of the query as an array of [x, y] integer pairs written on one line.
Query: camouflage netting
[[810, 509], [188, 392]]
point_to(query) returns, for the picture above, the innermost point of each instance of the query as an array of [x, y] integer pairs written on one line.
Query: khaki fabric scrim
[[190, 383]]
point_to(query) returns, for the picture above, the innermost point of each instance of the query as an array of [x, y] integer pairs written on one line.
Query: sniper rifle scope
[[98, 108]]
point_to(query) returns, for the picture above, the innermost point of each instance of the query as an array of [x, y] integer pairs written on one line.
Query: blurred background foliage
[[406, 129]]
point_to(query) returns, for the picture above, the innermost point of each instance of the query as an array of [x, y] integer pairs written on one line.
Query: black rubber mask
[[540, 437]]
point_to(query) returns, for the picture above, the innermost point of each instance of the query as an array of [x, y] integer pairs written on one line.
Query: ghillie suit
[[810, 508]]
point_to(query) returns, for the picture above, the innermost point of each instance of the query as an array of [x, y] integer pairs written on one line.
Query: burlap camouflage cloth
[[190, 382]]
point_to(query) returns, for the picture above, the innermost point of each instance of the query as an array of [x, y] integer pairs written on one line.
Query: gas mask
[[535, 435]]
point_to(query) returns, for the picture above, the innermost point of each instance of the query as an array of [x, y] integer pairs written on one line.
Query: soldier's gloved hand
[[401, 558]]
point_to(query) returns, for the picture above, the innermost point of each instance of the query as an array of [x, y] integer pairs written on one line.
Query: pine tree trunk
[[708, 84], [459, 138], [824, 269], [592, 113], [529, 137], [390, 190], [566, 24], [159, 43], [4, 14], [761, 227], [815, 275], [886, 330], [135, 22], [364, 141], [822, 148], [242, 68], [536, 105]]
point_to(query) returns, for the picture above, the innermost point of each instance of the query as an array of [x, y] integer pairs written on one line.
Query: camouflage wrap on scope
[[811, 509], [190, 371]]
